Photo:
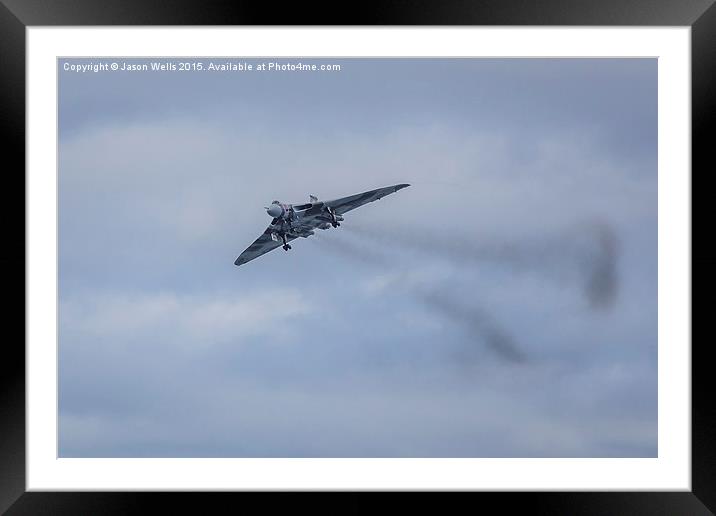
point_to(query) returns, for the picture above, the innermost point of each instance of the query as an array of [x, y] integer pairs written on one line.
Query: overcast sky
[[505, 305]]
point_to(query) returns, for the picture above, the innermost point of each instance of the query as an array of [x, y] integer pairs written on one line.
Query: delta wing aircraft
[[291, 221]]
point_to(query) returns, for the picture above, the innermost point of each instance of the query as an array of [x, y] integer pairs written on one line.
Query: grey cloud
[[167, 349]]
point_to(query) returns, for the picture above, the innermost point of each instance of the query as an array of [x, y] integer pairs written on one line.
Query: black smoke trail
[[479, 324], [476, 321], [586, 255]]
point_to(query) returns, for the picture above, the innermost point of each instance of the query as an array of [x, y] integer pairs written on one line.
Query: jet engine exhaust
[[476, 321], [587, 255]]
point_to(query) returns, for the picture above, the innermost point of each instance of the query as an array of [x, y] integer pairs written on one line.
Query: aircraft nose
[[274, 211]]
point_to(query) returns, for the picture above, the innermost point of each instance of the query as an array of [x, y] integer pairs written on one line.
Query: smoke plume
[[479, 325], [586, 255]]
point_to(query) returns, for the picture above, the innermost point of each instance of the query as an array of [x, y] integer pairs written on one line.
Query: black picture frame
[[16, 15]]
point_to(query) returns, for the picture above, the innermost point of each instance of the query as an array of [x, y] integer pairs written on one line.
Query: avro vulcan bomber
[[290, 221]]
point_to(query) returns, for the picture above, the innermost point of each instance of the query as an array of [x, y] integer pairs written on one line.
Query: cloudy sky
[[505, 305]]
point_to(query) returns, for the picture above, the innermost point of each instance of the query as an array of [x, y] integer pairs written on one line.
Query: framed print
[[400, 256]]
